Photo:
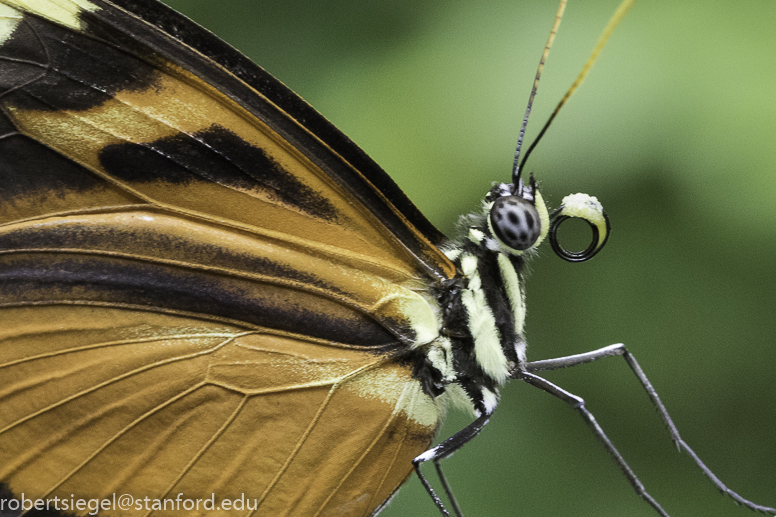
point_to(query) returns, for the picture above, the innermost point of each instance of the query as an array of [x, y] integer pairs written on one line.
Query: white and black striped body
[[482, 310], [485, 321]]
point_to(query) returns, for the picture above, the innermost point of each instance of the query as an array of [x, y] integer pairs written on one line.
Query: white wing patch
[[63, 12], [9, 20], [393, 386]]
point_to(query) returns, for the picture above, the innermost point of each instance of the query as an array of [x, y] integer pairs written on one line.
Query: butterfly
[[208, 288]]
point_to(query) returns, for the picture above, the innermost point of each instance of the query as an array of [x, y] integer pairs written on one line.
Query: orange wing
[[204, 287], [100, 401]]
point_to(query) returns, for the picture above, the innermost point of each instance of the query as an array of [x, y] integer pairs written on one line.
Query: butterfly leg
[[620, 350], [442, 451], [448, 490], [579, 404]]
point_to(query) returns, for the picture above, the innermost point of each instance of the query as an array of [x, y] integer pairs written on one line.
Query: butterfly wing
[[205, 288]]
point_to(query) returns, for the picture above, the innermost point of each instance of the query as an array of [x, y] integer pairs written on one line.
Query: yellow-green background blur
[[674, 131]]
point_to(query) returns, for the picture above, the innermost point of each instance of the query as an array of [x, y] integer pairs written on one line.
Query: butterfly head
[[518, 220], [517, 217]]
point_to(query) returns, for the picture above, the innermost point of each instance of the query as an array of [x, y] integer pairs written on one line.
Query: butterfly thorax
[[482, 307]]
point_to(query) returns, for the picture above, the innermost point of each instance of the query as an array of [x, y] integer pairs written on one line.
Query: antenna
[[540, 68], [616, 18]]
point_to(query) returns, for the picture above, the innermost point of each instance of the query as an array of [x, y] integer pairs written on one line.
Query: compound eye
[[515, 222]]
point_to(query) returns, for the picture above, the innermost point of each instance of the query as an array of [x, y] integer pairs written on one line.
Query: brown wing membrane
[[199, 293], [99, 400]]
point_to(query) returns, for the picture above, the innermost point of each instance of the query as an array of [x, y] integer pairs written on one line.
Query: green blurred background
[[674, 131]]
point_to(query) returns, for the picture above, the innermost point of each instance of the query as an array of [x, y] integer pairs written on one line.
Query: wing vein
[[108, 382], [204, 448], [45, 66], [121, 433], [376, 438], [310, 428], [106, 344]]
